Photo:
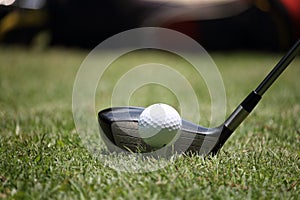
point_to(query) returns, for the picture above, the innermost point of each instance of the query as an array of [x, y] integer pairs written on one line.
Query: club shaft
[[248, 104], [278, 69]]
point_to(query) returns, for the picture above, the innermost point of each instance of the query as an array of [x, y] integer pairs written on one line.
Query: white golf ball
[[159, 125]]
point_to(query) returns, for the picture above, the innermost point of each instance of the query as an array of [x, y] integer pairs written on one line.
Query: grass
[[42, 156]]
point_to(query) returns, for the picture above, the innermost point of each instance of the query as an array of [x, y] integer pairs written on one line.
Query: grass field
[[41, 156]]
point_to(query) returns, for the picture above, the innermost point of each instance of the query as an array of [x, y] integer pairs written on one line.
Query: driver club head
[[119, 131]]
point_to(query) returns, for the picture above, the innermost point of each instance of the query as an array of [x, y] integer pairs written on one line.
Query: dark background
[[84, 24]]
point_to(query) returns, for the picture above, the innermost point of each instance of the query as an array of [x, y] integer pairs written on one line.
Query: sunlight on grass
[[42, 157]]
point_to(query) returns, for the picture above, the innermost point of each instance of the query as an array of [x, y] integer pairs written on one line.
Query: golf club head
[[119, 131]]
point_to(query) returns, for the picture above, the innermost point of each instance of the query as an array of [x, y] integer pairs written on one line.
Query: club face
[[119, 130]]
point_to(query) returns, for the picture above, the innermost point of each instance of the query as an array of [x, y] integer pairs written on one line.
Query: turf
[[42, 156]]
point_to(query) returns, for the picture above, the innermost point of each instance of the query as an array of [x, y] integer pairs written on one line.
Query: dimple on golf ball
[[159, 125]]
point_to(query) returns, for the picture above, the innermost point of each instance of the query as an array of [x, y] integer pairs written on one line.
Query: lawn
[[42, 156]]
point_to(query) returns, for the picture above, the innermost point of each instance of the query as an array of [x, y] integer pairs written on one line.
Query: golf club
[[119, 125]]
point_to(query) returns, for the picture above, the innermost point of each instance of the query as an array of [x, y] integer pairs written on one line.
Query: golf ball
[[159, 125]]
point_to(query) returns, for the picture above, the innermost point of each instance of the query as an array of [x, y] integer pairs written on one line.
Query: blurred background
[[271, 25]]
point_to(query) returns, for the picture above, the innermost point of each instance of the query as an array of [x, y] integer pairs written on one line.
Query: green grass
[[42, 157]]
